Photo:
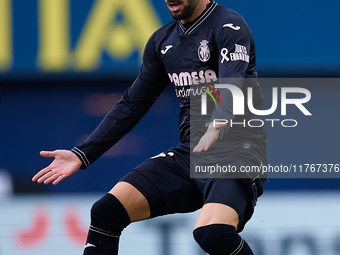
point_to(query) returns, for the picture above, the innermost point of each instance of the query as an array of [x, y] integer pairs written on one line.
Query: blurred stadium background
[[64, 63]]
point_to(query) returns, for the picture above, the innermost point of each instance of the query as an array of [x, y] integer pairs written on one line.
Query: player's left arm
[[236, 61]]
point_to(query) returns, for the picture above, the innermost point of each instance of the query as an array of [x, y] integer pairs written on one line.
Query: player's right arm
[[130, 109]]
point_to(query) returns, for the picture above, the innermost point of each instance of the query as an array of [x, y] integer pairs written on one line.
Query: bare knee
[[215, 213], [133, 201]]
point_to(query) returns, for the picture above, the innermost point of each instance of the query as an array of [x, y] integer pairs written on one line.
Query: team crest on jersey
[[204, 51]]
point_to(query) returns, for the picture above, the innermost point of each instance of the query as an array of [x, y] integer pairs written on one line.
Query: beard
[[187, 11]]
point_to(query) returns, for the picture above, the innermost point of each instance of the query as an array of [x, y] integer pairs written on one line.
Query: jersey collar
[[191, 26]]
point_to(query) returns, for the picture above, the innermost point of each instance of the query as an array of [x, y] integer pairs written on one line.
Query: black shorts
[[165, 182]]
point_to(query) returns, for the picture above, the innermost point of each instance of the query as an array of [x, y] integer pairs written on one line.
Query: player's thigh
[[133, 201], [216, 213], [226, 201], [166, 184]]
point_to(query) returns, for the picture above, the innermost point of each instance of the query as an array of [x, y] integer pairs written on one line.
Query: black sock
[[108, 219]]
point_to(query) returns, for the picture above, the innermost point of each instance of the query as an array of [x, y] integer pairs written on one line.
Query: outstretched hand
[[209, 138], [65, 164]]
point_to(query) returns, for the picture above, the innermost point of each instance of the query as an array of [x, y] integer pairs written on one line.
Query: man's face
[[181, 9]]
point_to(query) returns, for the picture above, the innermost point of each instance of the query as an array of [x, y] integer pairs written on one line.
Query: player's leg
[[156, 187], [134, 202], [227, 208], [215, 213], [111, 214]]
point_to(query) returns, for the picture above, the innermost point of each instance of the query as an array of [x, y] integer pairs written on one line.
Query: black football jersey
[[216, 48]]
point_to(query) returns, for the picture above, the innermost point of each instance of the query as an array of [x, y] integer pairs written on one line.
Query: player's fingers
[[41, 173], [203, 145], [59, 179], [206, 147], [219, 126], [51, 178], [198, 148], [36, 177], [208, 143], [48, 154], [45, 176]]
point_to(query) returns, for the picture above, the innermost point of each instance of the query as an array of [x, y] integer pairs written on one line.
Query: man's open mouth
[[175, 6]]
